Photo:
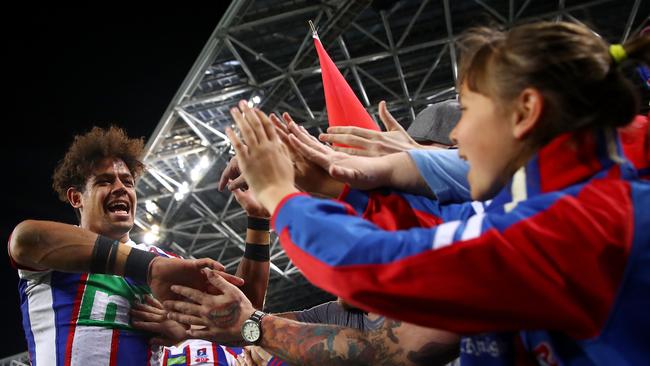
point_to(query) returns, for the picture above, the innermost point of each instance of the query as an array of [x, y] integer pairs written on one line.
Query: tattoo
[[318, 344], [227, 317], [434, 353], [389, 326]]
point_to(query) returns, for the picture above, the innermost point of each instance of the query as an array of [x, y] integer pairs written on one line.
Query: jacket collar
[[569, 159]]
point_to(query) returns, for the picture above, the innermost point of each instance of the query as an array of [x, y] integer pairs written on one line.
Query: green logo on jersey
[[107, 300]]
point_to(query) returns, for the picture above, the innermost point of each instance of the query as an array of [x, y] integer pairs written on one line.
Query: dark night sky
[[69, 69]]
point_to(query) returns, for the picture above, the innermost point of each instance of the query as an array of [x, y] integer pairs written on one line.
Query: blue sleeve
[[445, 173], [485, 272]]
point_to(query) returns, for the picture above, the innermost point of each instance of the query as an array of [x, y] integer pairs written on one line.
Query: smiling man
[[78, 283]]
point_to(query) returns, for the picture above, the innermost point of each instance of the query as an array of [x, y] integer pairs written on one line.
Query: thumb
[[387, 119]]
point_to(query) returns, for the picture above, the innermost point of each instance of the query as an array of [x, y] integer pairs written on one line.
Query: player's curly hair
[[88, 149]]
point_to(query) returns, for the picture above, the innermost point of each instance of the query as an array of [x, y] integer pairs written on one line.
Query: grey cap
[[435, 122]]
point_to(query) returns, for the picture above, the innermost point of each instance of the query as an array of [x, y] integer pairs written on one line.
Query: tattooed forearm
[[317, 344]]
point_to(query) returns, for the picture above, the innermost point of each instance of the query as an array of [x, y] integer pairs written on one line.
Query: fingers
[[269, 128], [208, 263], [230, 172], [250, 125], [195, 295], [152, 327], [350, 140], [238, 183], [152, 301], [187, 319], [244, 127], [354, 131], [303, 136], [310, 153], [287, 117], [248, 357], [218, 281], [146, 316], [237, 281], [148, 309], [387, 119], [281, 129], [353, 151], [236, 142]]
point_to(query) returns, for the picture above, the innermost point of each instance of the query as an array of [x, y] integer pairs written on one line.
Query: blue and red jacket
[[557, 267], [394, 210], [635, 140]]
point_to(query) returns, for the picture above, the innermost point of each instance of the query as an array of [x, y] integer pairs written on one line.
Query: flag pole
[[313, 28]]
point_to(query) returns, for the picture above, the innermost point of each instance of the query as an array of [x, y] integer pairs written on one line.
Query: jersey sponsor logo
[[544, 354], [201, 355], [107, 301]]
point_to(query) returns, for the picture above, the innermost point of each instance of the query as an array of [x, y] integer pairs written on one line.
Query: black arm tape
[[258, 224], [137, 264], [111, 259], [257, 252], [100, 255]]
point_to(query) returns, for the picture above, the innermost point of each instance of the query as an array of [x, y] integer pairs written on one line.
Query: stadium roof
[[262, 51]]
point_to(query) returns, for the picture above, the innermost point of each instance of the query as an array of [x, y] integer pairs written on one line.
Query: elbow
[[23, 240]]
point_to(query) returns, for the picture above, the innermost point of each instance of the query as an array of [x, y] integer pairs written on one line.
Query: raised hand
[[309, 176], [358, 171], [264, 160], [219, 316], [365, 142], [165, 272]]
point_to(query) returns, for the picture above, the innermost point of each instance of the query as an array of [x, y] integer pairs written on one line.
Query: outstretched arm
[[395, 343], [396, 170], [47, 245], [364, 142], [43, 245], [254, 265]]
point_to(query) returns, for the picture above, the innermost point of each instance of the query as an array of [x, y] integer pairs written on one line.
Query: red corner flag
[[343, 106]]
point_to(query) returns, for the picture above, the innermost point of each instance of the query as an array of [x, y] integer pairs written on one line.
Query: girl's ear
[[527, 110]]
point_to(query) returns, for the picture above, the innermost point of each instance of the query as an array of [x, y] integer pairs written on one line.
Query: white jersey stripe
[[445, 234], [90, 343], [478, 207], [41, 318], [473, 227]]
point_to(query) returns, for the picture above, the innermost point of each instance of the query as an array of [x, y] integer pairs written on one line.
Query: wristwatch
[[251, 330]]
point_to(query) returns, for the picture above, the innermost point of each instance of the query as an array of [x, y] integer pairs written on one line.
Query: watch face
[[250, 331]]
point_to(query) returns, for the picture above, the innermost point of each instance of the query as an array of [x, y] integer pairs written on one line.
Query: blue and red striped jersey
[[82, 318]]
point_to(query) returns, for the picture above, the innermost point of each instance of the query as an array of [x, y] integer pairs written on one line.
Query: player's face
[[108, 202]]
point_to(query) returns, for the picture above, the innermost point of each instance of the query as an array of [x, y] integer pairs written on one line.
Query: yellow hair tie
[[618, 53]]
